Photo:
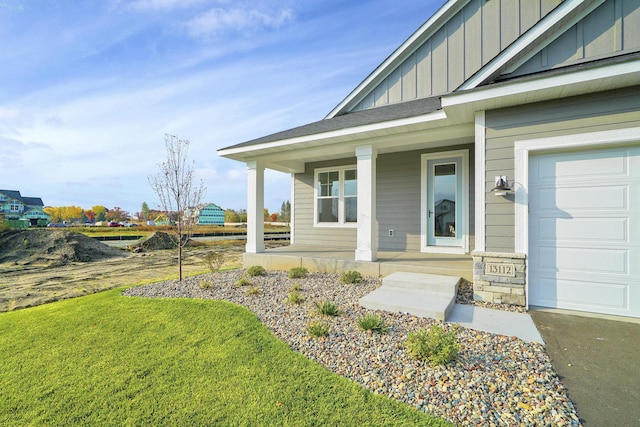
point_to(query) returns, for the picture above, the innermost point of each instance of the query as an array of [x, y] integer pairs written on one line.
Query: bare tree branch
[[175, 189]]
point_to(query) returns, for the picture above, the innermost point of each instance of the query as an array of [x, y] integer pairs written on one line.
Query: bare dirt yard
[[40, 266]]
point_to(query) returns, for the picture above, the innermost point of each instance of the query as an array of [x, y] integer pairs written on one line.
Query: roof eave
[[463, 105], [330, 137]]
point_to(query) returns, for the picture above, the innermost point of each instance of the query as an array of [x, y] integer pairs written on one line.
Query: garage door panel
[[579, 165], [584, 230], [602, 230], [575, 199], [584, 260], [582, 295]]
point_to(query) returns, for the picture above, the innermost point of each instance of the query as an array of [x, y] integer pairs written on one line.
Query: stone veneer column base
[[496, 287]]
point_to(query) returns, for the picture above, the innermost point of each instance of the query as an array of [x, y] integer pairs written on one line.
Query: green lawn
[[109, 360]]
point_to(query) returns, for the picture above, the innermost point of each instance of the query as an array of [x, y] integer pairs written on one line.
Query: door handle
[[430, 213]]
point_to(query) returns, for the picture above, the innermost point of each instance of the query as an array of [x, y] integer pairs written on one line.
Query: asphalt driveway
[[598, 361]]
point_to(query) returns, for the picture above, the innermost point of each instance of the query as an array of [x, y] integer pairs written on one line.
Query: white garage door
[[584, 231]]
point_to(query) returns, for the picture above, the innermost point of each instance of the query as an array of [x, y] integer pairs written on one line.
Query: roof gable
[[12, 194], [604, 29], [457, 41]]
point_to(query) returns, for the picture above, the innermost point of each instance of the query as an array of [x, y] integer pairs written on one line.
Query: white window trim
[[522, 150], [341, 220], [424, 247]]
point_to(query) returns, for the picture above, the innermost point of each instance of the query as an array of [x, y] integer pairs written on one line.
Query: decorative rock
[[495, 381]]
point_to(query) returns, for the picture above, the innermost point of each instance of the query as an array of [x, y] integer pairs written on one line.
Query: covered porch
[[332, 260]]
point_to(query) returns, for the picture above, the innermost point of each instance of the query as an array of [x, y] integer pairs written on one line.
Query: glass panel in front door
[[444, 194]]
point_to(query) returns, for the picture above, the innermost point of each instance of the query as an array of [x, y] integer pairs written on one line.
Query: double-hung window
[[336, 196]]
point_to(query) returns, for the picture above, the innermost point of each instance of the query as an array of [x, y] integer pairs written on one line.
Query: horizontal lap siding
[[589, 113], [398, 197], [398, 203], [305, 232]]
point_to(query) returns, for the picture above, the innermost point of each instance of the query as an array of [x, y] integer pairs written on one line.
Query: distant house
[[210, 214], [22, 212]]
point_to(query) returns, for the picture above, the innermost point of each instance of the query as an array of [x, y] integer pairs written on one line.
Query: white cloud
[[218, 21], [164, 5]]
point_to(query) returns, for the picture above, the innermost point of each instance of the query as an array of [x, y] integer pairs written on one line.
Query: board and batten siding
[[610, 30], [398, 203], [588, 113], [453, 53]]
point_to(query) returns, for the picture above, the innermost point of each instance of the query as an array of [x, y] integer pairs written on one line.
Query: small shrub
[[295, 297], [434, 346], [298, 273], [373, 323], [254, 290], [327, 308], [243, 281], [214, 260], [318, 329], [351, 277], [296, 287], [256, 270], [205, 284]]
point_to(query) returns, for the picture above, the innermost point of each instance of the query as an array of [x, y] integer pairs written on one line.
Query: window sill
[[335, 225]]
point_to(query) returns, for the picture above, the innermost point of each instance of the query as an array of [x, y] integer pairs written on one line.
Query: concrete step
[[425, 295], [436, 283]]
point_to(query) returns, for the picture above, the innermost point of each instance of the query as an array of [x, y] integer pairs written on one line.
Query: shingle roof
[[13, 194], [32, 201], [359, 118], [29, 201]]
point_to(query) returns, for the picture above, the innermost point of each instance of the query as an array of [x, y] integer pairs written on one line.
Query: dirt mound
[[52, 248], [157, 241]]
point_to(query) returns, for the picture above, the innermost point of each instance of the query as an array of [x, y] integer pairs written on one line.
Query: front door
[[444, 202]]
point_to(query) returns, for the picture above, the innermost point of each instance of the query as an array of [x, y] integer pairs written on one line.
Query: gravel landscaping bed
[[495, 380]]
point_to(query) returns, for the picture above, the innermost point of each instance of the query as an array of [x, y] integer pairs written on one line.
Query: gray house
[[525, 115]]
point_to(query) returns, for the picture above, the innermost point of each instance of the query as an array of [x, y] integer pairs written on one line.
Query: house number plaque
[[495, 269]]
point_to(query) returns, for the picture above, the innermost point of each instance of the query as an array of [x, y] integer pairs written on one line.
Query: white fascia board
[[451, 7], [424, 118], [530, 37], [603, 74]]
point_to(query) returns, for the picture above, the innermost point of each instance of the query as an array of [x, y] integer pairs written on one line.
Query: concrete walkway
[[496, 321]]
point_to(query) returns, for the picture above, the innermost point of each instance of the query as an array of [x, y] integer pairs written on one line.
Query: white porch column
[[367, 235], [255, 207]]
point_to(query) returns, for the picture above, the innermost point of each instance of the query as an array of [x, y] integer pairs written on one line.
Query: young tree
[[285, 211], [231, 216], [91, 216], [100, 212], [144, 212], [116, 214], [174, 185], [55, 213]]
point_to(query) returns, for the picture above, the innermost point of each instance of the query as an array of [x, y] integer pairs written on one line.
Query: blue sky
[[90, 87]]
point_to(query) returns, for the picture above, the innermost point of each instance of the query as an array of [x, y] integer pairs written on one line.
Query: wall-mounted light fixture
[[502, 186]]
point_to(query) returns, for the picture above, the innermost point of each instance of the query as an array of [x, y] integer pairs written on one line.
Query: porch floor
[[331, 260]]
